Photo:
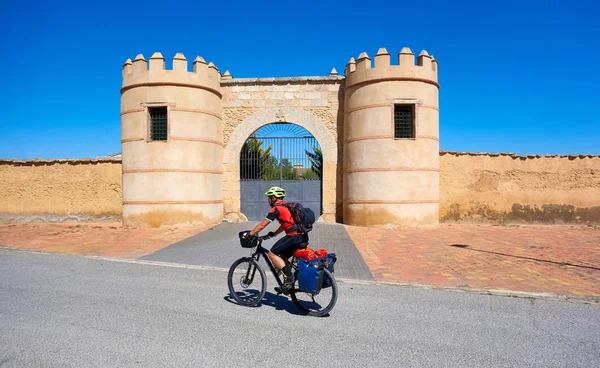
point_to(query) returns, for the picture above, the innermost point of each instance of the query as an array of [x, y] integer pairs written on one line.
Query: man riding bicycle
[[284, 248]]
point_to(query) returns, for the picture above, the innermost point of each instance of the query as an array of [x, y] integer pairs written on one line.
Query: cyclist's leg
[[298, 242], [284, 249], [279, 248]]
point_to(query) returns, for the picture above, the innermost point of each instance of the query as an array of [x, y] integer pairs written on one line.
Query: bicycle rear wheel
[[247, 274], [317, 304]]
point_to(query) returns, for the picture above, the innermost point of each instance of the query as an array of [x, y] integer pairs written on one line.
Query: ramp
[[220, 247]]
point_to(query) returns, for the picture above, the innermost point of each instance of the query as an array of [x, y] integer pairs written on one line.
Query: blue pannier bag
[[331, 259], [310, 274]]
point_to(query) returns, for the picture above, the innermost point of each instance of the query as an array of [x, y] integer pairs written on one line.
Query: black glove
[[271, 234]]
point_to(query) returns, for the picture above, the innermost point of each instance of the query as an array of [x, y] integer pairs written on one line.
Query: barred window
[[158, 123], [404, 121]]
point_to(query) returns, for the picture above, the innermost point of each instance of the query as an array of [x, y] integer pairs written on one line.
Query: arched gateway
[[234, 189], [283, 155]]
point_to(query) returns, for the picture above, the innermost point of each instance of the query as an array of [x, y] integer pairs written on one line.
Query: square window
[[158, 123], [404, 121]]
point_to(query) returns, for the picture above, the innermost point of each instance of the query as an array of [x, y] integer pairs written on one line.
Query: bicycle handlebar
[[260, 238]]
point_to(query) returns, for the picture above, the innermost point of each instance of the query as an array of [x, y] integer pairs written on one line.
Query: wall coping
[[4, 161], [234, 81], [513, 155], [117, 157]]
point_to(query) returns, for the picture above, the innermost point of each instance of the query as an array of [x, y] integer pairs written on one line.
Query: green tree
[[310, 174], [316, 161], [270, 169], [255, 161], [288, 172]]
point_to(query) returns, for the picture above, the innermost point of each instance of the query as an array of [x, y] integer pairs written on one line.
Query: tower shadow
[[468, 247]]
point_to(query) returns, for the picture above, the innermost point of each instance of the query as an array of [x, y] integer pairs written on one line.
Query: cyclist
[[284, 248]]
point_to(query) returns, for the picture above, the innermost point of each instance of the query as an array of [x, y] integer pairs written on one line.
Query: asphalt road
[[67, 311]]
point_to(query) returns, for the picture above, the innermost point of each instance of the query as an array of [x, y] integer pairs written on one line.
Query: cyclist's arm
[[278, 231], [273, 214], [264, 223]]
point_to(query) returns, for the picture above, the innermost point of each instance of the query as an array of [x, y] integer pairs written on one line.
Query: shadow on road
[[272, 300], [468, 247]]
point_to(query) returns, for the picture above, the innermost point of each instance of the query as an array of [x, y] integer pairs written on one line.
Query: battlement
[[422, 68], [153, 72]]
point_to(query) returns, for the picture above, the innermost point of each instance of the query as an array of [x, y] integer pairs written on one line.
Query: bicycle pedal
[[281, 291]]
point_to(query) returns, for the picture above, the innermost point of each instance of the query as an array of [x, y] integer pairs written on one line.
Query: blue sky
[[515, 76]]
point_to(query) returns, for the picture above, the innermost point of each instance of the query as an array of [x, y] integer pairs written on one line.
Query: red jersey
[[284, 216]]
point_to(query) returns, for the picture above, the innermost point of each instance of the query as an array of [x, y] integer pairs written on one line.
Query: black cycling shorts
[[287, 245]]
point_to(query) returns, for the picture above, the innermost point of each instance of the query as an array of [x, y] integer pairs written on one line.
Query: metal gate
[[293, 163]]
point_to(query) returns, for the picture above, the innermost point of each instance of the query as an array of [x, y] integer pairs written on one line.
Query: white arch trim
[[288, 115]]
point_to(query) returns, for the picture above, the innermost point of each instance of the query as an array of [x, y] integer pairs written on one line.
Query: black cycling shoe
[[281, 291], [288, 284]]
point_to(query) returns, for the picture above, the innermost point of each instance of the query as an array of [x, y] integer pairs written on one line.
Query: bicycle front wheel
[[247, 282], [317, 304]]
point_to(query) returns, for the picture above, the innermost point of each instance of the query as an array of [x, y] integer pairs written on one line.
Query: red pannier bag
[[306, 253], [321, 253]]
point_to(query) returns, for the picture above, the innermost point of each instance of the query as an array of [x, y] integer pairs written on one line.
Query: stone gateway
[[378, 128]]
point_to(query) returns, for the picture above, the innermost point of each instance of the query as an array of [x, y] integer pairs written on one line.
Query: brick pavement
[[93, 239], [546, 259]]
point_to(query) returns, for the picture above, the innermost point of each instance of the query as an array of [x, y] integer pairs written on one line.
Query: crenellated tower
[[391, 140], [171, 138]]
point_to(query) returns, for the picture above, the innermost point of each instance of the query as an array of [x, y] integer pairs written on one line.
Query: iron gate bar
[[298, 173]]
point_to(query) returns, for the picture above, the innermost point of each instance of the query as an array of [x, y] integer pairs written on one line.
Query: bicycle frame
[[264, 252], [256, 251]]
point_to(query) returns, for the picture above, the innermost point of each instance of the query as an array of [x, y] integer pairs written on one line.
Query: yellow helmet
[[276, 192]]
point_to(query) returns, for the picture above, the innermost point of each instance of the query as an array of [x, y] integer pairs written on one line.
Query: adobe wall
[[60, 190], [505, 188], [485, 188]]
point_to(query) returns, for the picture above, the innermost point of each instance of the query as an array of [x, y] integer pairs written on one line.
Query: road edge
[[587, 299]]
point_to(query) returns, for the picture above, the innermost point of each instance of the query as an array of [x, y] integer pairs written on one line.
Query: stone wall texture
[[60, 190], [484, 188], [313, 104], [241, 100]]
